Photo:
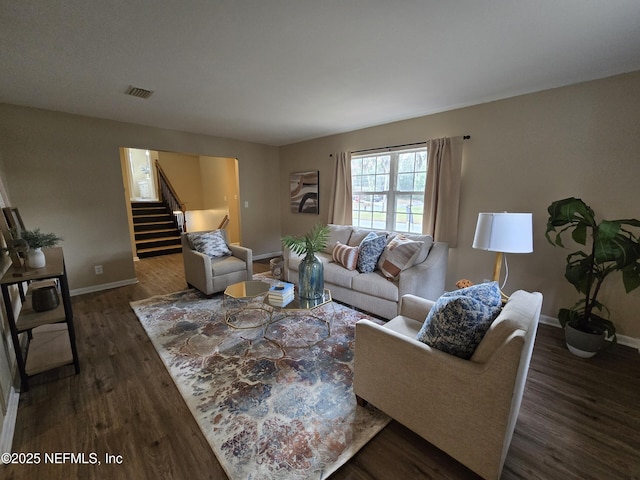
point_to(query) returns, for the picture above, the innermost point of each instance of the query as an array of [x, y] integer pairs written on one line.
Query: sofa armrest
[[415, 307], [242, 253], [427, 279], [245, 254], [197, 269]]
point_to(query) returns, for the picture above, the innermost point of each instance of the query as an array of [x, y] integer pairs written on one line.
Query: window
[[388, 189]]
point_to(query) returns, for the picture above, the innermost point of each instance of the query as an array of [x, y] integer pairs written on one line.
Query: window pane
[[356, 167], [369, 165], [408, 213], [406, 162], [419, 181], [383, 164], [405, 182], [382, 183], [368, 182]]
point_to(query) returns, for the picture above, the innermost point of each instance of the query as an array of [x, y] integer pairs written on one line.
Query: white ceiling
[[282, 71]]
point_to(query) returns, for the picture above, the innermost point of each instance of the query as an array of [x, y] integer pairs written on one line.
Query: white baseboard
[[622, 339], [101, 287], [9, 421]]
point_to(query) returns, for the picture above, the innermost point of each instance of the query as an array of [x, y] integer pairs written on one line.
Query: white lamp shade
[[504, 232]]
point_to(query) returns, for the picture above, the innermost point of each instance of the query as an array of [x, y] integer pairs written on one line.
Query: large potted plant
[[311, 270], [612, 246]]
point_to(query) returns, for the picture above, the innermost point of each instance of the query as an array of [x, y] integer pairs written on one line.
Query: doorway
[[142, 181], [208, 187]]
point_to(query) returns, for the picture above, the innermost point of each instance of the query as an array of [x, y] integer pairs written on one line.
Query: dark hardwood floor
[[580, 419]]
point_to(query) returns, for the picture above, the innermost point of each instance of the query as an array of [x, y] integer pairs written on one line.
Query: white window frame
[[390, 193]]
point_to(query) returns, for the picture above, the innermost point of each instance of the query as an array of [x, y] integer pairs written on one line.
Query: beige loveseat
[[373, 292], [468, 408]]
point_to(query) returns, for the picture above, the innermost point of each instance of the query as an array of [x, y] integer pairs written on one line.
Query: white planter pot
[[36, 258], [582, 344]]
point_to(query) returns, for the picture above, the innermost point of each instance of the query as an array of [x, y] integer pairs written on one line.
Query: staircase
[[155, 228]]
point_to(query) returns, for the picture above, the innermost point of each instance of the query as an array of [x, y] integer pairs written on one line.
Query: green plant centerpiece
[[311, 270], [612, 246], [38, 240]]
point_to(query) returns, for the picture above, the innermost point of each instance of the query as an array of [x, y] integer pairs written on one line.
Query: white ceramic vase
[[36, 258]]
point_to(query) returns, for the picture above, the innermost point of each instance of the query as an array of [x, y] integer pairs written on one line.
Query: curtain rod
[[465, 137]]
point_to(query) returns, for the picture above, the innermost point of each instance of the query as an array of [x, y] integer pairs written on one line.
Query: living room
[[527, 149], [524, 153]]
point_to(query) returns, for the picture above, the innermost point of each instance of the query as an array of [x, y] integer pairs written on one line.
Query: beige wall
[[63, 173], [183, 171], [206, 183], [524, 153]]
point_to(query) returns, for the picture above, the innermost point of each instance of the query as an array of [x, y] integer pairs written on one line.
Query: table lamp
[[504, 233]]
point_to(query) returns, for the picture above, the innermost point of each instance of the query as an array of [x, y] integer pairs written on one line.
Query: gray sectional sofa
[[373, 292]]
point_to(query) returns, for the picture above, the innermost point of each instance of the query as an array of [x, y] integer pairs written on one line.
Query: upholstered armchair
[[213, 272], [467, 408]]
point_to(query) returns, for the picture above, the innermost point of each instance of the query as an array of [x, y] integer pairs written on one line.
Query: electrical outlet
[[98, 269]]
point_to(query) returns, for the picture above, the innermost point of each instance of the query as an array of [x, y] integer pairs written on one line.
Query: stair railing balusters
[[169, 196]]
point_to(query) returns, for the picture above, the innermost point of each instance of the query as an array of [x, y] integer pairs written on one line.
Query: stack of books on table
[[281, 294]]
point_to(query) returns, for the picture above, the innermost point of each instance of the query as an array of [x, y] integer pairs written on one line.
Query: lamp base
[[496, 275]]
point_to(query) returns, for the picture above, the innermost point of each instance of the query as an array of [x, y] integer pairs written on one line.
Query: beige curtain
[[442, 192], [341, 197]]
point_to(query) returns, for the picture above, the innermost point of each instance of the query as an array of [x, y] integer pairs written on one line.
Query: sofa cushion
[[295, 259], [370, 250], [211, 243], [459, 319], [376, 285], [336, 274], [345, 255], [399, 254], [359, 234], [337, 233], [226, 265]]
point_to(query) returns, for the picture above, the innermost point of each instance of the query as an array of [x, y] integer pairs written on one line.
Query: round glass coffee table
[[302, 323], [243, 308]]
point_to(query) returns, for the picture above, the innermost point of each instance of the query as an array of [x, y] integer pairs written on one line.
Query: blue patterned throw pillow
[[459, 319], [487, 293], [371, 248], [209, 243]]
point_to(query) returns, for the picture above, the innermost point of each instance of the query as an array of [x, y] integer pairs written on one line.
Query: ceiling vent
[[139, 92]]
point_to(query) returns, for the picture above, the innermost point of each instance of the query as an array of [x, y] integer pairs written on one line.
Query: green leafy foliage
[[37, 239], [312, 242], [614, 246]]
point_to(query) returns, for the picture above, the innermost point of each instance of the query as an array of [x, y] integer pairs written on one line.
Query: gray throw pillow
[[209, 243]]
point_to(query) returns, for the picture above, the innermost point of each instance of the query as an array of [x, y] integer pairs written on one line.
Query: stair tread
[[157, 239], [154, 222], [162, 230], [156, 249]]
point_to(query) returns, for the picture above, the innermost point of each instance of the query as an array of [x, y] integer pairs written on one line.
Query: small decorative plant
[[613, 245], [312, 242], [310, 270], [37, 239]]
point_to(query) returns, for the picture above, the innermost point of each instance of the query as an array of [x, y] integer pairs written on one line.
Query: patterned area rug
[[277, 408]]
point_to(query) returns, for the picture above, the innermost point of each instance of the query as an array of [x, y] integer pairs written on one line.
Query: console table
[[54, 343]]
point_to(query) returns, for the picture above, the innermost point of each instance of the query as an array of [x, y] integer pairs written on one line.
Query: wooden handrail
[[169, 195]]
